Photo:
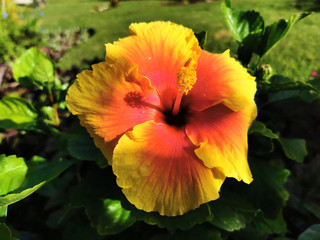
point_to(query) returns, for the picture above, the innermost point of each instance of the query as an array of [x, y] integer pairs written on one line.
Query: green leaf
[[270, 225], [311, 233], [305, 205], [198, 232], [312, 208], [279, 83], [258, 127], [17, 113], [57, 189], [183, 222], [228, 3], [109, 217], [315, 83], [97, 193], [38, 174], [81, 146], [305, 95], [34, 68], [263, 40], [275, 32], [231, 212], [242, 205], [202, 38], [260, 145], [48, 112], [294, 148], [12, 173], [240, 23], [5, 233], [75, 226], [3, 213], [101, 184], [78, 227], [267, 191], [280, 88]]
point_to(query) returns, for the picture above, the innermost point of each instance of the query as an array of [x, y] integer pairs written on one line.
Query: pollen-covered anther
[[186, 78]]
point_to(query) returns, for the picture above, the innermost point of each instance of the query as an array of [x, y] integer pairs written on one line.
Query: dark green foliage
[[202, 38], [312, 232]]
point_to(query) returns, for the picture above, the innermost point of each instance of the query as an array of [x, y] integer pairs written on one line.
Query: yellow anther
[[186, 78]]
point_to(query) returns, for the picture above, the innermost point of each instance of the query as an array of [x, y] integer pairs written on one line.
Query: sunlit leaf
[[12, 173], [275, 32], [49, 113], [38, 174], [17, 113], [228, 3], [262, 41], [3, 213], [294, 148], [240, 23], [34, 68]]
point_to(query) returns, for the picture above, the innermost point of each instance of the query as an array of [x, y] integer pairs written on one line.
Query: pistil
[[186, 78]]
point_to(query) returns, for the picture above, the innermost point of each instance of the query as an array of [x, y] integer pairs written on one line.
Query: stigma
[[186, 78]]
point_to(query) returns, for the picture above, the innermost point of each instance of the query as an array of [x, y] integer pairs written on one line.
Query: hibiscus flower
[[170, 118]]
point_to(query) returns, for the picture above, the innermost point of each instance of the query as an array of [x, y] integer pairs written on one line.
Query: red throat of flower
[[186, 78]]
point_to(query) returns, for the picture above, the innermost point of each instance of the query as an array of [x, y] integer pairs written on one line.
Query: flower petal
[[111, 100], [159, 48], [221, 78], [222, 136], [157, 168]]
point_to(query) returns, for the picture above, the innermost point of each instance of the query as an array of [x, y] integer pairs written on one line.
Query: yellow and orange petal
[[220, 78], [157, 168], [160, 49], [221, 135], [111, 101], [123, 103]]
